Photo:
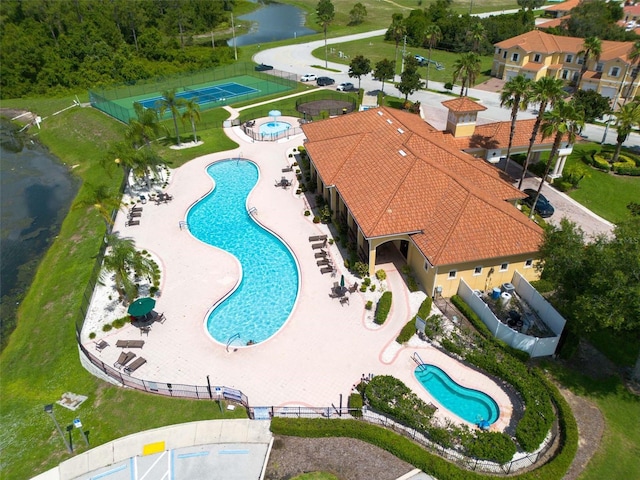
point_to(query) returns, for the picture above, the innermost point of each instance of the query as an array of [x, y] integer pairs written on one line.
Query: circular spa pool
[[275, 127]]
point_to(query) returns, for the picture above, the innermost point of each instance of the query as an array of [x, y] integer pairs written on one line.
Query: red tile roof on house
[[554, 22], [541, 42], [397, 175], [464, 105]]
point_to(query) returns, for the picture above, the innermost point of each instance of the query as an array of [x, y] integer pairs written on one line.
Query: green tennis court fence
[[118, 101]]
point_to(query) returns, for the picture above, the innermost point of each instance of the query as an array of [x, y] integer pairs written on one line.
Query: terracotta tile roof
[[496, 135], [463, 104], [533, 67], [398, 175], [564, 6], [541, 42], [591, 74], [555, 66], [632, 9], [554, 22]]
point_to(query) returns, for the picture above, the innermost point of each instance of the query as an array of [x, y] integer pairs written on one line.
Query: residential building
[[394, 181], [538, 54], [561, 9]]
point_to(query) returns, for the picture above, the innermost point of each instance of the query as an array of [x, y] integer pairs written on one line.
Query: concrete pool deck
[[322, 350]]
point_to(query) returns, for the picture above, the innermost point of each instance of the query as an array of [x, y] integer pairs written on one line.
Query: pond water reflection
[[271, 22]]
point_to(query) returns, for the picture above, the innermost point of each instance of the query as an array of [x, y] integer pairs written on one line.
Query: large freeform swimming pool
[[264, 299], [471, 405]]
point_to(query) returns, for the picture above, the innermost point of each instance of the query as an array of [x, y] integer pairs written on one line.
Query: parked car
[[543, 207], [263, 68], [323, 81], [345, 87], [307, 77]]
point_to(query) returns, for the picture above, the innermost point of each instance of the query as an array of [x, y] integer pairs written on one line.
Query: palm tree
[[397, 31], [476, 34], [102, 200], [325, 12], [563, 121], [634, 59], [192, 113], [627, 118], [592, 47], [467, 68], [515, 95], [170, 101], [546, 91], [432, 35], [126, 263], [144, 128]]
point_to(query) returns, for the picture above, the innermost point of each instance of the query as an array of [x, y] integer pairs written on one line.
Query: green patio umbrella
[[141, 306], [342, 281]]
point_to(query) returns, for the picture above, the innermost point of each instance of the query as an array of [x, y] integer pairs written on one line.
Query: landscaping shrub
[[494, 446], [355, 401], [316, 219], [361, 269], [563, 185], [425, 308], [369, 304], [543, 285], [367, 281], [383, 308], [381, 275], [92, 335], [601, 163], [407, 331], [120, 322], [107, 327], [451, 347], [632, 171], [389, 395]]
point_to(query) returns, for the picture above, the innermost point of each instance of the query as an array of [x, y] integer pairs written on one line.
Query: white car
[[308, 77], [345, 87]]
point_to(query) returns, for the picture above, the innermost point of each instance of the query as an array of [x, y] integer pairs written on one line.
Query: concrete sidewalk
[[214, 449]]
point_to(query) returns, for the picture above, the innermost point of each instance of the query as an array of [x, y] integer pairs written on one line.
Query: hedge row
[[410, 328], [429, 463], [383, 308]]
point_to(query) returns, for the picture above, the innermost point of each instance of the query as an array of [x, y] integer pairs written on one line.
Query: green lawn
[[376, 49], [41, 361], [604, 193], [619, 451]]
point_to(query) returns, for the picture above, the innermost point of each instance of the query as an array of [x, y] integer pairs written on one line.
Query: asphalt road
[[298, 59]]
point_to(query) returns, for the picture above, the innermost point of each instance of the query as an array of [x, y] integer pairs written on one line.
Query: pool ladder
[[416, 358], [231, 339], [252, 210]]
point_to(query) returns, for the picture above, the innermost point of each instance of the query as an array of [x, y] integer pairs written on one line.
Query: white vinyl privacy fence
[[534, 346]]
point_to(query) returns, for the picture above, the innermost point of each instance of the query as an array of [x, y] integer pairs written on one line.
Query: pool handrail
[[416, 358]]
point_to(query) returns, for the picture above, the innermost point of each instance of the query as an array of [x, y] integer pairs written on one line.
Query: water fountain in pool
[[274, 128]]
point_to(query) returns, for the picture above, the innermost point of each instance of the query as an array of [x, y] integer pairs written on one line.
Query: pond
[[271, 22]]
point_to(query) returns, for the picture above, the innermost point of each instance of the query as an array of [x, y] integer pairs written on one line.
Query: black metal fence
[[178, 390], [377, 418]]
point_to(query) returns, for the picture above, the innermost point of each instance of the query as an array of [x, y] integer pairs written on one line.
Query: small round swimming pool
[[471, 405], [274, 128], [264, 299]]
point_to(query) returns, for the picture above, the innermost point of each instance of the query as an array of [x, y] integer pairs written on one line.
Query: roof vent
[[402, 152], [389, 121], [400, 130], [380, 112]]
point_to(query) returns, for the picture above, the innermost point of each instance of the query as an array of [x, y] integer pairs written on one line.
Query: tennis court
[[217, 93]]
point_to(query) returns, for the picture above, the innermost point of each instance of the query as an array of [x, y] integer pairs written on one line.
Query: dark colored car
[[323, 81], [543, 207], [263, 68]]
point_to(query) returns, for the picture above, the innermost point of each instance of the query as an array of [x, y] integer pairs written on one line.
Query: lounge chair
[[327, 269], [324, 261], [160, 318], [135, 209], [130, 343], [317, 238], [134, 214], [321, 254], [135, 365], [317, 246], [287, 169], [131, 223], [123, 359], [101, 345]]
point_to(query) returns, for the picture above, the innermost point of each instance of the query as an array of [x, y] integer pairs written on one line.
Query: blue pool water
[[263, 301], [273, 128], [467, 403]]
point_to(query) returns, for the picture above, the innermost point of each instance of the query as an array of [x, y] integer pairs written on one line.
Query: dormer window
[[537, 58], [599, 67]]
